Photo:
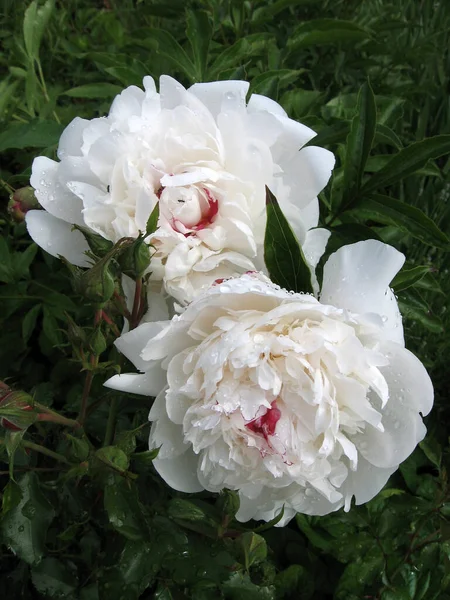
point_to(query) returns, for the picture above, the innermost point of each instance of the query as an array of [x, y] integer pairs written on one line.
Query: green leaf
[[79, 447], [29, 322], [24, 527], [410, 219], [240, 587], [50, 327], [240, 51], [325, 31], [385, 135], [264, 82], [34, 24], [53, 578], [152, 223], [266, 13], [408, 277], [254, 548], [12, 495], [408, 161], [23, 260], [432, 450], [283, 255], [132, 573], [114, 457], [413, 306], [165, 44], [272, 522], [359, 143], [146, 457], [317, 536], [93, 90], [199, 32], [359, 574], [295, 581], [123, 508], [333, 134], [35, 134]]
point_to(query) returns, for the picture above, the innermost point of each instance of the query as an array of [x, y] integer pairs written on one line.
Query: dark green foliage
[[84, 514]]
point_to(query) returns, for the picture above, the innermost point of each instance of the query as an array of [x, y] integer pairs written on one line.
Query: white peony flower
[[292, 401], [206, 156]]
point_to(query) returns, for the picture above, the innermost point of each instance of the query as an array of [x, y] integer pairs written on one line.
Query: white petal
[[52, 193], [131, 344], [313, 249], [357, 278], [127, 104], [180, 472], [149, 383], [259, 103], [57, 238], [306, 173], [219, 94], [365, 482], [410, 391], [71, 139]]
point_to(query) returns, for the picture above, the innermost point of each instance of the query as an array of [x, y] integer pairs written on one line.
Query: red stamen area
[[208, 216], [266, 424]]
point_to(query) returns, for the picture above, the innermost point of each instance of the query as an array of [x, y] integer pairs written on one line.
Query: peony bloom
[[290, 400], [205, 155]]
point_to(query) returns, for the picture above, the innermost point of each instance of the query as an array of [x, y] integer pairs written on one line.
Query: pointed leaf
[[359, 143], [326, 31], [283, 255], [199, 32], [34, 24], [152, 223], [408, 277], [410, 219], [408, 161]]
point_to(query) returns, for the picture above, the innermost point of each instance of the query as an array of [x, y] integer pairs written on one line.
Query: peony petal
[[52, 193], [180, 472], [132, 344], [57, 238], [365, 483], [357, 278], [410, 391], [71, 140], [219, 94], [259, 103], [306, 173], [149, 383]]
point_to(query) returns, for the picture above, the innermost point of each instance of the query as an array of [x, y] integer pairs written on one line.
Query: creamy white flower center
[[275, 400], [188, 209]]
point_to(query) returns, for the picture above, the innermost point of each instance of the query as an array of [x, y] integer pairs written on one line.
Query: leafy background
[[83, 513]]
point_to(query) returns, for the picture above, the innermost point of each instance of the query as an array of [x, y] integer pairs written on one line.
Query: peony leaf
[[35, 134], [34, 24], [326, 31], [283, 255], [53, 578], [408, 277], [359, 143], [199, 32], [408, 161], [412, 220], [24, 526], [254, 548], [165, 44], [94, 90], [152, 223], [123, 509]]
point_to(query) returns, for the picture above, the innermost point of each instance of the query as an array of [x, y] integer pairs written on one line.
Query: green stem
[[46, 451], [111, 424]]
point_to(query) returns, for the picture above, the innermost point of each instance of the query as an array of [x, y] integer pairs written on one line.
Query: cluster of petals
[[205, 155], [293, 400]]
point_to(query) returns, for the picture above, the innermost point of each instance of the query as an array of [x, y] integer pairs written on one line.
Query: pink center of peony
[[266, 424]]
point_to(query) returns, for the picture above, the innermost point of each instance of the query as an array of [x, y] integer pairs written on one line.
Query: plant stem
[[47, 414], [111, 424], [136, 304], [46, 451]]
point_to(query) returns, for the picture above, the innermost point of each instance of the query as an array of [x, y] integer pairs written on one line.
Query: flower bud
[[97, 342], [98, 244], [97, 284], [228, 503], [20, 202], [16, 405], [135, 260]]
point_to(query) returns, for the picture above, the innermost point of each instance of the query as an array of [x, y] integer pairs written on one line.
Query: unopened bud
[[20, 202], [228, 503], [97, 284], [75, 333], [134, 261], [98, 244], [97, 342], [16, 405]]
